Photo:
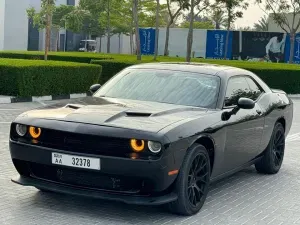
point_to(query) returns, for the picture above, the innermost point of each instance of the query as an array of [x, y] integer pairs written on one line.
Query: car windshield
[[163, 86]]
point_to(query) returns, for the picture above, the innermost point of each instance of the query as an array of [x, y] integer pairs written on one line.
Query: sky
[[251, 15]]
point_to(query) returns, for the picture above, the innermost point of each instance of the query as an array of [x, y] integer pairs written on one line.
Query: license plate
[[75, 161]]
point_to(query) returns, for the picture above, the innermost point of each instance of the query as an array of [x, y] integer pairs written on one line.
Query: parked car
[[154, 134], [87, 46]]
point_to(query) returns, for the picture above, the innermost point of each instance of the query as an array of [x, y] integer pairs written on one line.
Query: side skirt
[[223, 175]]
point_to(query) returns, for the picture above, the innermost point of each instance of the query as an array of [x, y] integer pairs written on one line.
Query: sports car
[[154, 134]]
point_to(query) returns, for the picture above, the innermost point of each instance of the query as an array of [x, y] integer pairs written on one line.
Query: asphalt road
[[244, 198]]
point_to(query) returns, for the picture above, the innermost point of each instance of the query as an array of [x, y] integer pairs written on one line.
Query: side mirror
[[246, 103], [243, 103], [94, 88]]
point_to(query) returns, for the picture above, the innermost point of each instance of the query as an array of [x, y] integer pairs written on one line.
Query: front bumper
[[66, 189], [152, 184]]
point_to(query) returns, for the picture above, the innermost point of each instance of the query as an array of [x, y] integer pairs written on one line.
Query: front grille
[[87, 179], [85, 143], [82, 143]]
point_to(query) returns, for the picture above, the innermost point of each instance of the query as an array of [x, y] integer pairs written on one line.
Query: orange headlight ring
[[137, 145], [35, 132]]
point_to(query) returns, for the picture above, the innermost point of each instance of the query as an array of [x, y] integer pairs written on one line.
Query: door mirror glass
[[246, 103], [94, 88]]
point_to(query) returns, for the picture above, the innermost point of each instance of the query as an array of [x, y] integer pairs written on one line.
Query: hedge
[[280, 76], [110, 68], [80, 57], [39, 78]]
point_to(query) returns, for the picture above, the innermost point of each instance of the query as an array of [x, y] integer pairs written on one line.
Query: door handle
[[258, 111]]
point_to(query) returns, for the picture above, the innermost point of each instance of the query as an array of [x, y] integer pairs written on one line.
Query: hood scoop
[[73, 106], [138, 114]]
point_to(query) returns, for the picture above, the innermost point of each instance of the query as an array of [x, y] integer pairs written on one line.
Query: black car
[[154, 134]]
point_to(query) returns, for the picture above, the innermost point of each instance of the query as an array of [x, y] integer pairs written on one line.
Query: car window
[[237, 87], [254, 88], [164, 86]]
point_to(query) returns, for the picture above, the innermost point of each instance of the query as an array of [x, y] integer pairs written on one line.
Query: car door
[[244, 129]]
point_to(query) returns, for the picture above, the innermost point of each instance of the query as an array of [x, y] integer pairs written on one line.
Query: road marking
[[293, 137]]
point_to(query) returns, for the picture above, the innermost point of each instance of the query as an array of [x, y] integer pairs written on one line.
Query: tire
[[273, 156], [191, 193]]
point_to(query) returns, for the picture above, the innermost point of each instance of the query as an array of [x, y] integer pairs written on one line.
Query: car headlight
[[137, 145], [154, 146], [35, 132], [21, 129]]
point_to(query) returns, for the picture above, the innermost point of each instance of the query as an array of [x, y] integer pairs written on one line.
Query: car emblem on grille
[[59, 174], [115, 182]]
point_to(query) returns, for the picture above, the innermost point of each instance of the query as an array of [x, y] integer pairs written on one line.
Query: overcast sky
[[251, 15]]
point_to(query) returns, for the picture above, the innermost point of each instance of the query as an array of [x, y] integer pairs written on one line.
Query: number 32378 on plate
[[75, 161]]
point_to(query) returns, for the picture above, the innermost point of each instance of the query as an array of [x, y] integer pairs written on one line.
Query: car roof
[[204, 68]]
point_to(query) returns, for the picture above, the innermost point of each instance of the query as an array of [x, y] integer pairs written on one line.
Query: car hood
[[138, 115]]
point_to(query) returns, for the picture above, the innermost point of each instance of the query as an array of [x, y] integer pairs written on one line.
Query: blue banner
[[215, 44], [147, 37], [296, 49]]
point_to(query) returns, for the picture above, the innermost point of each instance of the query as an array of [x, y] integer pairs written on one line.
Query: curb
[[9, 99]]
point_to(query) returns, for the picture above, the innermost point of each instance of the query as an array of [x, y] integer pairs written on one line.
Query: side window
[[255, 90], [237, 87]]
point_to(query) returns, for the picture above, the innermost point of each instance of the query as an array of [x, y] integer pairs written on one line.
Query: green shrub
[[80, 57], [38, 78], [280, 76]]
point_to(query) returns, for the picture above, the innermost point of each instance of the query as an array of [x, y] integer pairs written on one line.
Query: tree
[[58, 21], [279, 10], [262, 24], [79, 20], [197, 18], [199, 25], [233, 10], [200, 6], [120, 22], [136, 23], [182, 4], [218, 17], [147, 13], [156, 30], [246, 28], [43, 20]]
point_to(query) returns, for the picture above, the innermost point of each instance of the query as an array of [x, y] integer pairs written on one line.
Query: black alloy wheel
[[273, 156], [198, 179], [192, 182], [278, 148]]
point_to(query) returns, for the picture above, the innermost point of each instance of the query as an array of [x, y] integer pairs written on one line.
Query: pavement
[[244, 198]]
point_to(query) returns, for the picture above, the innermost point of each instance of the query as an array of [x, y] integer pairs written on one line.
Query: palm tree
[[262, 24], [218, 17]]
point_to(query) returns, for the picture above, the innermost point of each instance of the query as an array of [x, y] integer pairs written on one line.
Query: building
[[17, 31]]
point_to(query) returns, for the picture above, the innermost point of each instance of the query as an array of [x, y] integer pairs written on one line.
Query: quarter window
[[255, 90], [237, 88]]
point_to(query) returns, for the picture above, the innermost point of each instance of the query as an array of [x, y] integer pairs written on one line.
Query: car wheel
[[273, 155], [192, 183]]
